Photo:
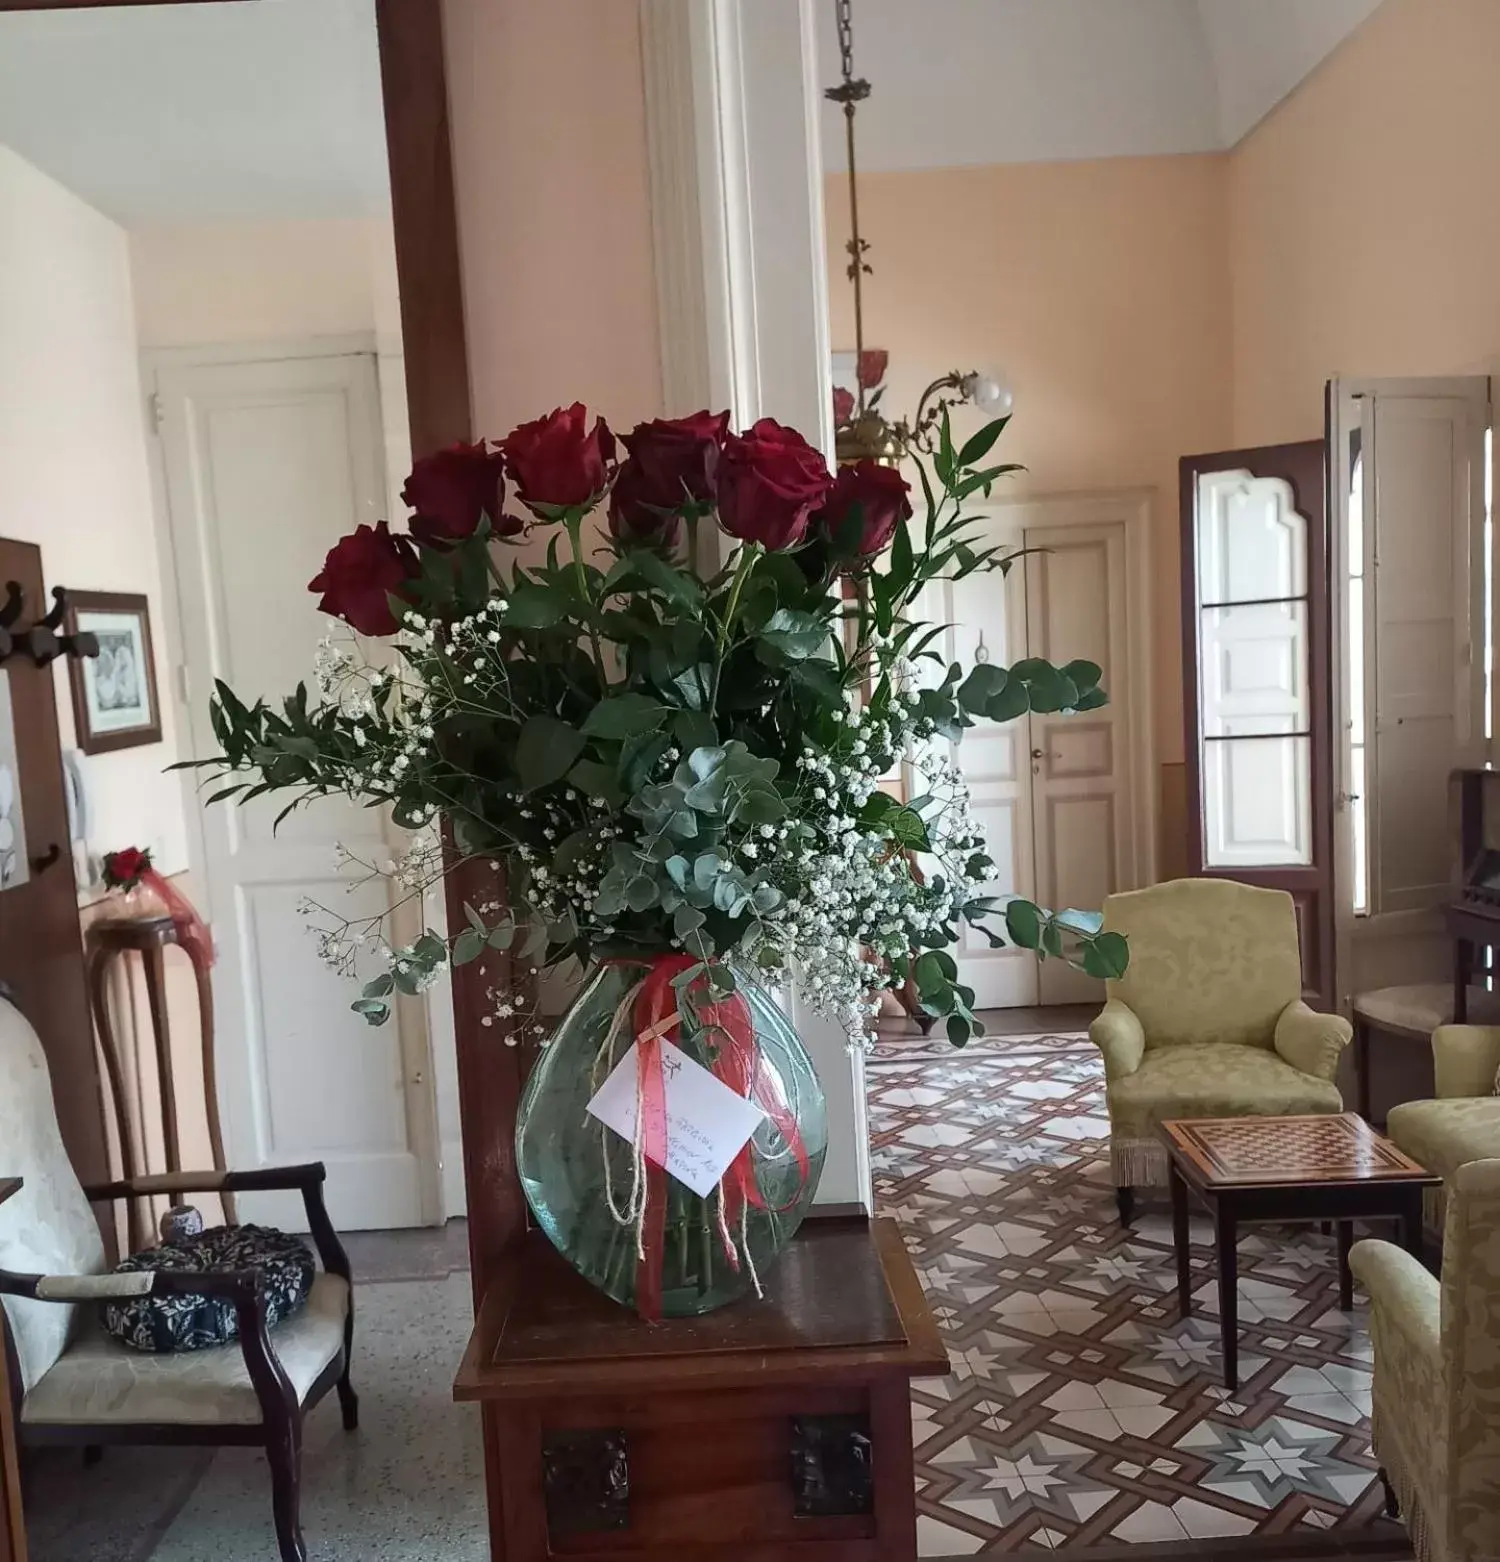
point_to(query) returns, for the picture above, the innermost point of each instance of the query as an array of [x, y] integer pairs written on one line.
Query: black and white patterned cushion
[[172, 1323]]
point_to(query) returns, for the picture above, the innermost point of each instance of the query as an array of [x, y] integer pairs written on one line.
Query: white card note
[[708, 1124]]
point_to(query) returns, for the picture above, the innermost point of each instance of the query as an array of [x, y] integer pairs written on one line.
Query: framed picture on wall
[[114, 694]]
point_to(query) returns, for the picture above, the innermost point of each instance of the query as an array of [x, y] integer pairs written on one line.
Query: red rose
[[843, 406], [670, 467], [637, 515], [872, 366], [122, 869], [361, 571], [450, 492], [883, 497], [770, 482], [557, 462]]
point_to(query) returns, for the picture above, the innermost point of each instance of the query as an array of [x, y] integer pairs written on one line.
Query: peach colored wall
[[1364, 219], [210, 283], [1102, 289], [549, 147]]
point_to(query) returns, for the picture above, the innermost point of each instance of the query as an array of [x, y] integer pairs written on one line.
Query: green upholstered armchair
[[1463, 1124], [1437, 1375], [1208, 1021]]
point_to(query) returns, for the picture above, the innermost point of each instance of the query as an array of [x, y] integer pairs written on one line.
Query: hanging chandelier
[[864, 432]]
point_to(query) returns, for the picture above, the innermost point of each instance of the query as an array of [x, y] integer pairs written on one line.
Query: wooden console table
[[771, 1429], [12, 1519]]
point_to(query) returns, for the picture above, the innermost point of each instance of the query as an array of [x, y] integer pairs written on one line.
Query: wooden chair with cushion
[[74, 1383], [1208, 1020]]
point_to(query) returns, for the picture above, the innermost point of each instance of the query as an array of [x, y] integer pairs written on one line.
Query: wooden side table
[[1294, 1170], [767, 1430], [12, 1518]]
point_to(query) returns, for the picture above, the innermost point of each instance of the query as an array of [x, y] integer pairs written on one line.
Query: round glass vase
[[641, 1235]]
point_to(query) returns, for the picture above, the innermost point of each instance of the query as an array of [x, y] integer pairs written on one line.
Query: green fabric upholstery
[[1214, 1080], [1208, 1020], [1463, 1123], [1465, 1059], [1444, 1135], [1437, 1375], [1309, 1041], [1117, 1033], [1210, 960]]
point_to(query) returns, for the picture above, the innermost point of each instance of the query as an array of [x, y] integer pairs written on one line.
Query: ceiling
[[1012, 81], [161, 113], [172, 113]]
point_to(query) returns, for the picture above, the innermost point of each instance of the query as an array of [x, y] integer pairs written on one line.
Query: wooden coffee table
[[1292, 1170]]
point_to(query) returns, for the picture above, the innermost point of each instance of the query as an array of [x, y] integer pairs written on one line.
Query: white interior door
[[265, 465], [986, 615], [1082, 806]]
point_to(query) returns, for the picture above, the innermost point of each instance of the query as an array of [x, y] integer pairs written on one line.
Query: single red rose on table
[[452, 490], [361, 573], [670, 465], [559, 462], [769, 483], [123, 869], [883, 498]]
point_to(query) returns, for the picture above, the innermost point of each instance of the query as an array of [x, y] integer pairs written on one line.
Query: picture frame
[[115, 701]]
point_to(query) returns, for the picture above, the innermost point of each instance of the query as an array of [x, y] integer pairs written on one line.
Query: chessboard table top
[[1242, 1152]]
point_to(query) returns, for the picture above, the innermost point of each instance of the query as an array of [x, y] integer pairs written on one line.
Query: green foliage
[[647, 750]]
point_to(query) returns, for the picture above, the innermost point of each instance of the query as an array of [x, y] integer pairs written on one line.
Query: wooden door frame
[[1320, 619]]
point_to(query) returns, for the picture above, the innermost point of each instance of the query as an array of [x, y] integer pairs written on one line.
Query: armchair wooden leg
[[1125, 1203], [348, 1399], [1392, 1507], [284, 1455]]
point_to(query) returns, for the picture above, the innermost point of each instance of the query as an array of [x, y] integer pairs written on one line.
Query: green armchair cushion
[[1213, 1079], [1311, 1042], [1444, 1135], [1210, 960]]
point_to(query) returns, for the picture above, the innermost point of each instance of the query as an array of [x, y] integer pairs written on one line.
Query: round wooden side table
[[114, 939]]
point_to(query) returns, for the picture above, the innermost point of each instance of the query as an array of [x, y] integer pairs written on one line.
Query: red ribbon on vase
[[739, 1064]]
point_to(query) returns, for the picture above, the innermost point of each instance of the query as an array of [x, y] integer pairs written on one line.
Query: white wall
[[73, 465]]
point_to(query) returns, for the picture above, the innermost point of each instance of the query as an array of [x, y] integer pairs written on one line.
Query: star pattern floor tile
[[1081, 1410]]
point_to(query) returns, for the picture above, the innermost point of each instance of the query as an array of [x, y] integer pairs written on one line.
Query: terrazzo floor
[[1080, 1412]]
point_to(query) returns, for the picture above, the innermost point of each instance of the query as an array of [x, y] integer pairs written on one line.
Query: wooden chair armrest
[[264, 1179], [242, 1287], [234, 1285]]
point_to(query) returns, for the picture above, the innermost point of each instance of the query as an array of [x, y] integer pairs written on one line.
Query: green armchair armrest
[[1465, 1059], [1118, 1034], [1310, 1041], [1406, 1329]]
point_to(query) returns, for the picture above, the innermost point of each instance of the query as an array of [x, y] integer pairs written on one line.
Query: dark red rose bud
[[669, 468], [770, 481], [884, 500], [636, 517], [558, 462], [360, 573], [452, 490]]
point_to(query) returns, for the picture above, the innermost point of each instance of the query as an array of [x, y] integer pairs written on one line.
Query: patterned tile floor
[[1081, 1411]]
